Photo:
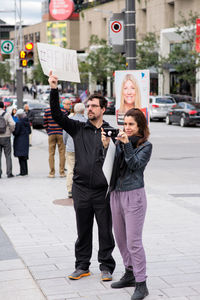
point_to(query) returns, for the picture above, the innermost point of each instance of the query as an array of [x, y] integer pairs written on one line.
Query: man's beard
[[91, 116]]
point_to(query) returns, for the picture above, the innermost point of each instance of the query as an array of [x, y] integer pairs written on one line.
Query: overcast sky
[[31, 11]]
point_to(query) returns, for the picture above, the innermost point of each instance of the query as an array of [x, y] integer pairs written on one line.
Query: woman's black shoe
[[10, 176], [140, 292], [127, 280]]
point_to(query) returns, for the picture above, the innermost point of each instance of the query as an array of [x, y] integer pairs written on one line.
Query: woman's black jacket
[[136, 160], [21, 138], [89, 156]]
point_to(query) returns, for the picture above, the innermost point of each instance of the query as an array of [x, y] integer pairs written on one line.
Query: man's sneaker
[[127, 280], [78, 274], [62, 175], [51, 176], [106, 275]]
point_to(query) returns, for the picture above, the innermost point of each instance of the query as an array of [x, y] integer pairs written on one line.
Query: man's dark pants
[[5, 144], [89, 203]]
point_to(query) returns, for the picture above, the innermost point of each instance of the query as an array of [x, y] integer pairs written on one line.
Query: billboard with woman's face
[[132, 91]]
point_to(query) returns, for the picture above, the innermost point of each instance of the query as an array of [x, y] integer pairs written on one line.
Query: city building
[[158, 16]]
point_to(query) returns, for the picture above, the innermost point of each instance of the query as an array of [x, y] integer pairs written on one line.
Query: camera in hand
[[111, 132]]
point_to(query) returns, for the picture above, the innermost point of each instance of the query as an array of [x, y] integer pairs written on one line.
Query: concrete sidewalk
[[41, 234]]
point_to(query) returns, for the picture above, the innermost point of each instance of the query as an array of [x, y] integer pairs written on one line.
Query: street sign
[[116, 32], [7, 47]]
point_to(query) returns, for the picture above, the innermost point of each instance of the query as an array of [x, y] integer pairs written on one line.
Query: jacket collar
[[88, 124]]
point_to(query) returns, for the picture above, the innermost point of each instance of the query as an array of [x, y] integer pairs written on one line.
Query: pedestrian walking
[[79, 110], [55, 137], [89, 184], [7, 126], [128, 198], [21, 141]]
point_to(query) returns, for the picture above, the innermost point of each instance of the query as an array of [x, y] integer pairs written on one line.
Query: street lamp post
[[130, 35]]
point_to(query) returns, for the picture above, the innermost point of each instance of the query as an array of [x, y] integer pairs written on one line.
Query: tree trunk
[[193, 91]]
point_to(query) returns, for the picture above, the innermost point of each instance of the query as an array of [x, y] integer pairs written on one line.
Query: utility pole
[[130, 35], [18, 47]]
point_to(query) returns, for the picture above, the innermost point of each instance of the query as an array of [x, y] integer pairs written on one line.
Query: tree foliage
[[5, 72], [101, 61], [183, 56], [38, 75], [147, 52]]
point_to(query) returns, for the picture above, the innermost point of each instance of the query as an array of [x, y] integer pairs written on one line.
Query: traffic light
[[23, 60], [78, 5], [30, 54]]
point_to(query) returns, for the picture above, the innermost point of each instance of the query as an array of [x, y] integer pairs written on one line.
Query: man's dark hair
[[1, 104], [102, 99]]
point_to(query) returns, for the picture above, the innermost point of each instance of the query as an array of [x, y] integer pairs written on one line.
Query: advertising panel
[[57, 33], [132, 91]]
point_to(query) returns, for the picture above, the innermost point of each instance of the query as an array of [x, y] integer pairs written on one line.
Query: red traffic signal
[[29, 46]]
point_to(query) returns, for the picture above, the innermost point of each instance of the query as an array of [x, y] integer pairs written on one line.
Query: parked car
[[184, 113], [38, 112], [159, 106], [8, 100], [110, 110]]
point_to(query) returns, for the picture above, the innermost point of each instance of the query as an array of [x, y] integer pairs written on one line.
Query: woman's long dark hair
[[141, 121]]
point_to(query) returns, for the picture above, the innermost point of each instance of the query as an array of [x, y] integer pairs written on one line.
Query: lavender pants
[[128, 213]]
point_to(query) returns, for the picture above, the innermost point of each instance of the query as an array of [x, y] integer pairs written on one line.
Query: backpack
[[2, 123]]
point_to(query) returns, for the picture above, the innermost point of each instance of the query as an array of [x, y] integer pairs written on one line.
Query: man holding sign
[[89, 184]]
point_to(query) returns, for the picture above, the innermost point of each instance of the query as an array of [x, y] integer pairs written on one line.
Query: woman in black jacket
[[21, 141], [128, 198]]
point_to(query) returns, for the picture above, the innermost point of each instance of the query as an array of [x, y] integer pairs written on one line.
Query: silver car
[[159, 106]]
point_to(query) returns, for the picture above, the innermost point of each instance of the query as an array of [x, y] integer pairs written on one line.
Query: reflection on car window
[[165, 100], [190, 106], [181, 105]]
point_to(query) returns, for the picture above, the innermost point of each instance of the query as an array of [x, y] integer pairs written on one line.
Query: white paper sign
[[63, 62], [109, 160]]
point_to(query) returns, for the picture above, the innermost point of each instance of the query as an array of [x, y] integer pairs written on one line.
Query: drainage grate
[[185, 195]]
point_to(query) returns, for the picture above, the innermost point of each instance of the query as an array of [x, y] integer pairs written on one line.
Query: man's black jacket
[[88, 146]]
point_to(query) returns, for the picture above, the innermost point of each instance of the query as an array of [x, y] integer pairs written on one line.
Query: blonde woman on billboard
[[130, 94]]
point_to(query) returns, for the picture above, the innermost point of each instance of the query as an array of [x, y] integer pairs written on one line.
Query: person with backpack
[[7, 126]]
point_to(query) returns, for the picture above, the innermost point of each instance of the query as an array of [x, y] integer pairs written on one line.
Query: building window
[[25, 39], [170, 14], [31, 37], [37, 37]]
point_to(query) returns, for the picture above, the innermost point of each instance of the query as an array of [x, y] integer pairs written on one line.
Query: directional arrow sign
[[7, 47]]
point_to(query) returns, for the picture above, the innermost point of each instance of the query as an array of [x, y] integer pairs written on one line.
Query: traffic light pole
[[130, 35], [19, 77]]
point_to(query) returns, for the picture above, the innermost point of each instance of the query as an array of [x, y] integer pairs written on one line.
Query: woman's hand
[[105, 140], [53, 80], [122, 137]]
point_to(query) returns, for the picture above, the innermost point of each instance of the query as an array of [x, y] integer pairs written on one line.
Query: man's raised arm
[[69, 125]]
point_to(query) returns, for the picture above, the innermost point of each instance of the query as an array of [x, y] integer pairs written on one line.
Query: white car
[[159, 106]]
